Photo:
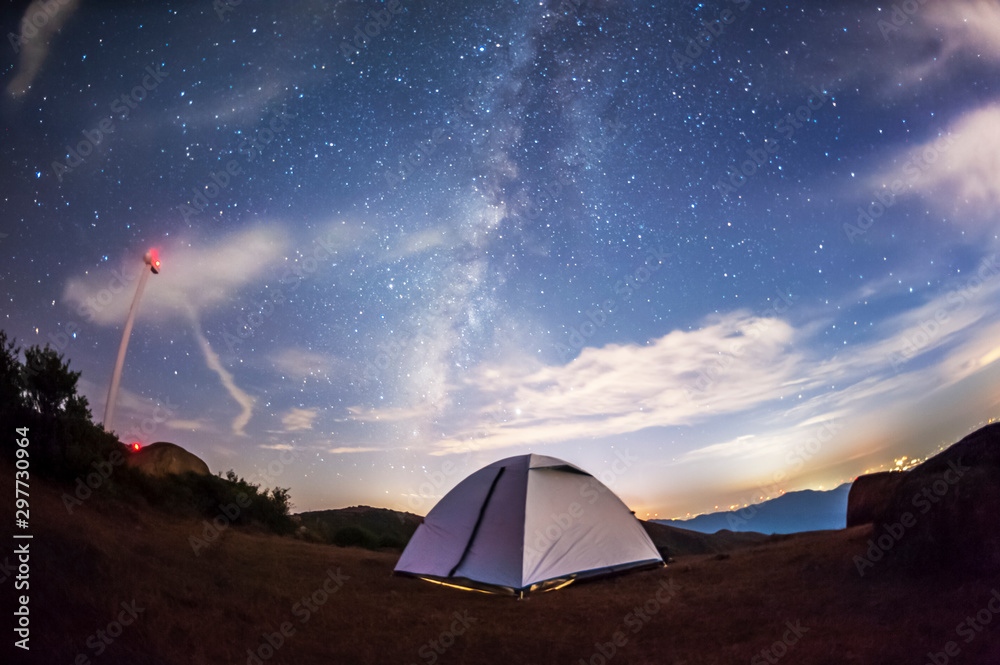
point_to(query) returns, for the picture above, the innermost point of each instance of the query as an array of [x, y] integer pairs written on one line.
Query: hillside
[[231, 602], [793, 512], [674, 541], [360, 525]]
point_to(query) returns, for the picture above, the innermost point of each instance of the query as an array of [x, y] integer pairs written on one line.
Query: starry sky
[[706, 251]]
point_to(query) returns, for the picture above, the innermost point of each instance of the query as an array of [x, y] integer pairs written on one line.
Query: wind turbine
[[152, 259]]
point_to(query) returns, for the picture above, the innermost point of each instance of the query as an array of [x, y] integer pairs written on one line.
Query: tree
[[50, 386], [11, 381]]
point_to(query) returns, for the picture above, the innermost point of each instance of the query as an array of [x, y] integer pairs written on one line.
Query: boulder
[[161, 458], [869, 496], [951, 503]]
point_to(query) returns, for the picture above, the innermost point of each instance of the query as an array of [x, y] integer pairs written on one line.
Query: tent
[[526, 523]]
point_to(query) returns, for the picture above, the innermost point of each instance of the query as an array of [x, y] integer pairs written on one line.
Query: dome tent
[[526, 523]]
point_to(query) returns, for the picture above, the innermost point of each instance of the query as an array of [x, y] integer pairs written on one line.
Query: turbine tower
[[152, 260]]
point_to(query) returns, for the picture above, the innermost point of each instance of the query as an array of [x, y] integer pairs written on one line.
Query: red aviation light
[[135, 446]]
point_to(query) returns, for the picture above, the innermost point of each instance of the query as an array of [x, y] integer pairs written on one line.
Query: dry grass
[[212, 608]]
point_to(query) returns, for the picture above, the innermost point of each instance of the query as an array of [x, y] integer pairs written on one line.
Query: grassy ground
[[798, 596]]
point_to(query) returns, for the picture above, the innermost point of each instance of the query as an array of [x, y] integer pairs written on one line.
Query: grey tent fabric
[[526, 523]]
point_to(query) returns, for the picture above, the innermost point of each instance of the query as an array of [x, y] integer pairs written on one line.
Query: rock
[[161, 458], [952, 503], [869, 496]]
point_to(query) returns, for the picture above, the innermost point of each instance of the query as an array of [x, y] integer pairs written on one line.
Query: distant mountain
[[806, 510]]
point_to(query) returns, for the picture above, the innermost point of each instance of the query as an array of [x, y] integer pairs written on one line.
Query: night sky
[[697, 249]]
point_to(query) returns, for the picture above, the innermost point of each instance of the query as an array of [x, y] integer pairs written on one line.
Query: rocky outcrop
[[162, 458], [943, 514], [869, 496]]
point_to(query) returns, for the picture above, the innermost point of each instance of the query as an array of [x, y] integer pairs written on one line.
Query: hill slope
[[251, 597], [361, 525]]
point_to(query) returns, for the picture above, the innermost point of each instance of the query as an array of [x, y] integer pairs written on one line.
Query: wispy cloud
[[41, 21], [958, 172], [345, 450], [245, 401], [303, 364], [297, 420]]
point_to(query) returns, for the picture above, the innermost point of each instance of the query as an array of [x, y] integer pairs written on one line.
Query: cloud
[[198, 276], [736, 362], [277, 446], [958, 172], [929, 42], [41, 21], [419, 242], [297, 420], [971, 26], [761, 367], [352, 449], [244, 400], [302, 364]]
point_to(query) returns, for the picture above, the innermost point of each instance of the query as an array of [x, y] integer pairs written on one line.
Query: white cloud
[[959, 171], [736, 362], [277, 446], [193, 276], [344, 450], [215, 364], [297, 420]]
